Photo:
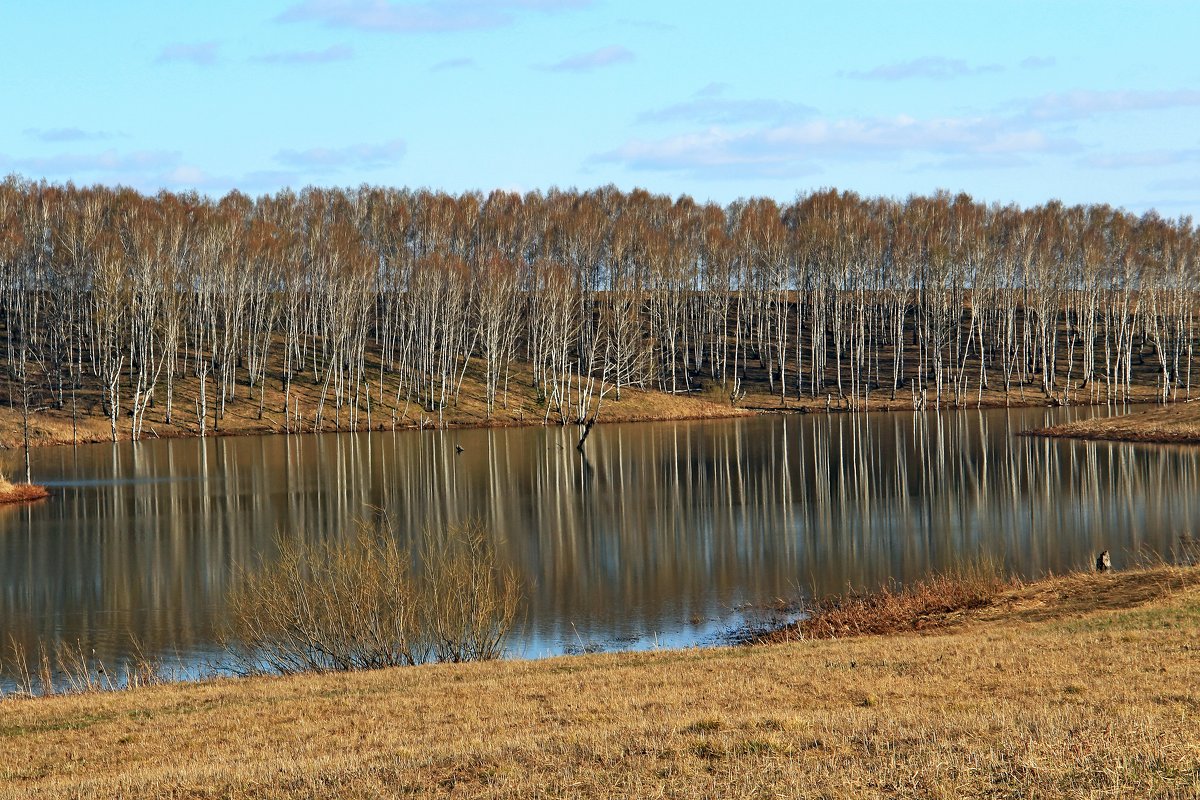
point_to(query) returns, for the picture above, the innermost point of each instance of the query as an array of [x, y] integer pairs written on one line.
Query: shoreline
[[826, 715], [1175, 423], [54, 429]]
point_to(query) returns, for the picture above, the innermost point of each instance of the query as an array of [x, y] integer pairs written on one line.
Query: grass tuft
[[932, 602], [20, 492]]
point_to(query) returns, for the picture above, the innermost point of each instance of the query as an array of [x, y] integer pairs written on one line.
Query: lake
[[658, 536]]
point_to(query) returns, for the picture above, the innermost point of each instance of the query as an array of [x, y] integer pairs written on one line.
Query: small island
[[21, 492], [1178, 423]]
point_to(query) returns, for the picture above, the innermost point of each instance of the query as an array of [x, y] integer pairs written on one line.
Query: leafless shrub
[[358, 603], [468, 602]]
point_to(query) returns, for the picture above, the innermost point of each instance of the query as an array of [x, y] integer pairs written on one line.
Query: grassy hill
[[1080, 686]]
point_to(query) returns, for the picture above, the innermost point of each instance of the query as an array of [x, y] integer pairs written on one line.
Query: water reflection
[[653, 536]]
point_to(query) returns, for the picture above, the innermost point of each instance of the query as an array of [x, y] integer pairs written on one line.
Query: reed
[[71, 668]]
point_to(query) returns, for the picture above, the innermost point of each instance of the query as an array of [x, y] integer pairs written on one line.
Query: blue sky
[[1016, 101]]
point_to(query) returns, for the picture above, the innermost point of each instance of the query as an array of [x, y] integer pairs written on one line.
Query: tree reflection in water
[[651, 536]]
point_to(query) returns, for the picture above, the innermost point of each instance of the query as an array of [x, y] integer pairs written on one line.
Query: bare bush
[[359, 603], [469, 604]]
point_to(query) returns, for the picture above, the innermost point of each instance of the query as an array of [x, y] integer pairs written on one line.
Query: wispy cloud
[[935, 67], [334, 158], [337, 52], [429, 16], [1142, 158], [647, 24], [595, 59], [708, 107], [712, 89], [1038, 62], [144, 170], [71, 134], [107, 161], [201, 53], [187, 175], [1083, 104], [454, 63], [784, 150], [1183, 183], [772, 137], [976, 161]]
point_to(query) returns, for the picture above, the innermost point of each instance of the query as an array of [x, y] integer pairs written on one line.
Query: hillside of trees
[[373, 300]]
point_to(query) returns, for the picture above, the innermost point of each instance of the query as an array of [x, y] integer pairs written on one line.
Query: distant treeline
[[937, 298]]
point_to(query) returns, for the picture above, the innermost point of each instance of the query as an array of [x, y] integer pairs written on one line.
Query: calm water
[[655, 538]]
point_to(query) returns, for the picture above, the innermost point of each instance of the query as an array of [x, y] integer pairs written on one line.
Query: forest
[[111, 299]]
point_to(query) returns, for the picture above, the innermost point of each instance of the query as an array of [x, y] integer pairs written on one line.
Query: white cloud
[[1038, 62], [1083, 104], [585, 62], [708, 107], [109, 161], [337, 52], [201, 53], [779, 150], [1142, 158], [430, 16], [71, 134], [334, 158], [926, 67], [454, 63]]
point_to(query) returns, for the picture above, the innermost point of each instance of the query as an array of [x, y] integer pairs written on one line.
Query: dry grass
[[935, 602], [1081, 686], [709, 401], [69, 668], [21, 492], [1174, 424], [90, 424]]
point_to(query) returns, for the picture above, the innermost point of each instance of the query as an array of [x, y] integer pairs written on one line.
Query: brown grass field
[[1174, 424], [1086, 685]]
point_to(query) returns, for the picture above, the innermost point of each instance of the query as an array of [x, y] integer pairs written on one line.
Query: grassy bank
[[1174, 424], [1084, 685], [87, 421]]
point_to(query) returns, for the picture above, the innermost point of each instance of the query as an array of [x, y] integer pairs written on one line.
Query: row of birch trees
[[391, 299]]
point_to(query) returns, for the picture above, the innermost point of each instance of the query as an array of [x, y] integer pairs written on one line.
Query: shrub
[[468, 603], [364, 602]]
